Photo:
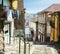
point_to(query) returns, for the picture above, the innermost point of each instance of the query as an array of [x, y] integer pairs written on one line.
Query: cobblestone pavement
[[43, 49]]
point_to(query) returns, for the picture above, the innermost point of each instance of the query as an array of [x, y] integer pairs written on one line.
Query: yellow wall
[[54, 31], [15, 4]]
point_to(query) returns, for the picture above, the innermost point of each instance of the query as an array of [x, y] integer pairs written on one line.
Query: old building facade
[[11, 15], [47, 25], [41, 26]]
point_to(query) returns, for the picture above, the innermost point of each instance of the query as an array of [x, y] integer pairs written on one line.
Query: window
[[5, 3], [6, 31], [0, 1], [0, 4], [15, 14]]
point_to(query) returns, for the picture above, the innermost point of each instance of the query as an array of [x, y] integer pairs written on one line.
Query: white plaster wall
[[9, 15], [12, 27], [48, 29], [41, 28], [6, 35], [32, 25]]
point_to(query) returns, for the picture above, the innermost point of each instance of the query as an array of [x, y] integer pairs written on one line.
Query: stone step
[[44, 50], [16, 48]]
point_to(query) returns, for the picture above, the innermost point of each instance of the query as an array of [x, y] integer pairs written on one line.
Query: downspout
[[37, 31], [45, 26]]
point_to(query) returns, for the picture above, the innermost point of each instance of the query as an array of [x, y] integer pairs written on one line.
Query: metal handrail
[[29, 47], [25, 40], [29, 44]]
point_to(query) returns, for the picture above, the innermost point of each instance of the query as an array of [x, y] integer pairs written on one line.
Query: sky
[[34, 6]]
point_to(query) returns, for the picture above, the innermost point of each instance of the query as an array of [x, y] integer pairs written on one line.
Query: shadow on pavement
[[1, 53], [50, 44], [55, 46]]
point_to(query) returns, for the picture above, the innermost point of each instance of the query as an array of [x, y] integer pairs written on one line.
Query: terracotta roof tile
[[52, 8]]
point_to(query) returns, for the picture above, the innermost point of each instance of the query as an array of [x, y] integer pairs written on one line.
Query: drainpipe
[[36, 31], [45, 27]]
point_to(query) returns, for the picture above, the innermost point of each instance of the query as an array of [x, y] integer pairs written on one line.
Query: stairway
[[43, 49]]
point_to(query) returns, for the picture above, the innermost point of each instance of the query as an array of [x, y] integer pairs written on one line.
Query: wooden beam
[[52, 28], [56, 29]]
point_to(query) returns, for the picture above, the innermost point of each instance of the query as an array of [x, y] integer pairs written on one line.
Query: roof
[[52, 8]]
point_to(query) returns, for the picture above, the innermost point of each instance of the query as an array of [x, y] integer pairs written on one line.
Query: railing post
[[24, 46], [19, 43], [29, 48]]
